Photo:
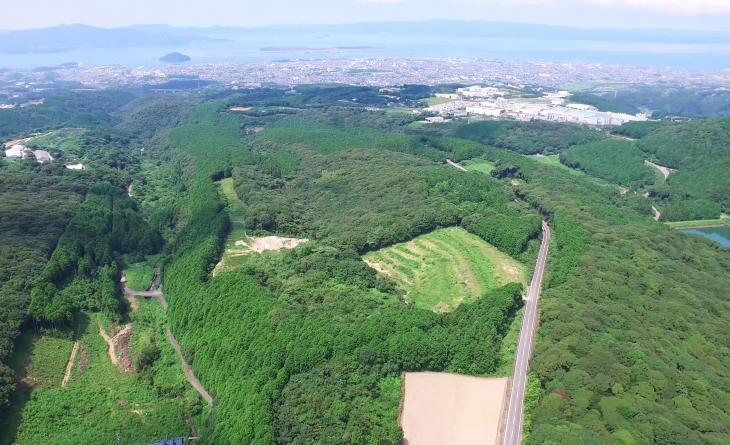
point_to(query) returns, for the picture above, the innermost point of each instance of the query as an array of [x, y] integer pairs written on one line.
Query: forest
[[615, 362], [308, 345], [659, 100], [329, 314], [528, 137], [35, 212], [65, 237], [617, 161]]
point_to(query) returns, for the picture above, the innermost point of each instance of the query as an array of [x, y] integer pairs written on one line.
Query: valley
[[291, 268]]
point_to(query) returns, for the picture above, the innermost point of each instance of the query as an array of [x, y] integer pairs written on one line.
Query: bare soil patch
[[83, 359], [240, 109], [378, 268], [441, 408], [132, 301], [119, 347], [70, 364], [264, 243]]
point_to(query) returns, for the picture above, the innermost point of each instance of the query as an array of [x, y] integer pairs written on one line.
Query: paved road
[[516, 409]]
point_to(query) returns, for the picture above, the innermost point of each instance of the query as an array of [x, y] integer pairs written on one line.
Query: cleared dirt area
[[440, 408], [252, 245], [264, 243], [665, 171], [445, 268], [119, 347], [239, 243], [70, 364], [240, 109]]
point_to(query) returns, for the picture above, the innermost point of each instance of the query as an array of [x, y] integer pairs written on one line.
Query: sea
[[720, 235], [237, 48]]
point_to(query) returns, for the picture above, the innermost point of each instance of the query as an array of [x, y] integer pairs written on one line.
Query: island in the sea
[[175, 58]]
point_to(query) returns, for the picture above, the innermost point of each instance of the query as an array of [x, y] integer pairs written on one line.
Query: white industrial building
[[42, 156], [484, 111], [16, 151], [479, 92], [588, 117]]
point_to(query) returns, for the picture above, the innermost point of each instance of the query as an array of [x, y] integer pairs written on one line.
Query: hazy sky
[[690, 14]]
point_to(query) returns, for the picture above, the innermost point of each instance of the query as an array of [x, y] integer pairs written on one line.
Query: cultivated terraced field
[[445, 268]]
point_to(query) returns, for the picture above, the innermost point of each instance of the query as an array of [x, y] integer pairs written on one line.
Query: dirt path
[[70, 364], [187, 370], [154, 291], [665, 171], [657, 213], [455, 165], [112, 343]]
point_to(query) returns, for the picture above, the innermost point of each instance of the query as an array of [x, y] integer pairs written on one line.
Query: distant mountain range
[[70, 37]]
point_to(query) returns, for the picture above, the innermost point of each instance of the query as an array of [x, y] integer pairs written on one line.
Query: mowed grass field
[[554, 161], [699, 223], [445, 268], [236, 212], [479, 165], [139, 276]]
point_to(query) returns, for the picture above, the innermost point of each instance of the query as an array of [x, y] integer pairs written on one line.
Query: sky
[[673, 14]]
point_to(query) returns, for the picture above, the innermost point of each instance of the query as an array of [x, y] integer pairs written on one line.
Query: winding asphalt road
[[512, 434]]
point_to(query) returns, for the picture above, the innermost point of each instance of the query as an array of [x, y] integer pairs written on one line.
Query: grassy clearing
[[479, 165], [139, 276], [67, 140], [431, 101], [445, 268], [40, 362], [554, 161], [100, 402], [699, 223], [233, 254]]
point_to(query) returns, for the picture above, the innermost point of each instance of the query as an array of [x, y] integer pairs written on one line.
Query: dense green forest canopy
[[528, 137], [615, 160], [72, 109], [326, 95], [35, 211], [700, 152], [308, 345], [660, 100], [63, 236], [367, 199], [319, 310], [616, 362], [605, 102]]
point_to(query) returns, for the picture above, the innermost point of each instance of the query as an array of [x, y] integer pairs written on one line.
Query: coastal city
[[372, 72]]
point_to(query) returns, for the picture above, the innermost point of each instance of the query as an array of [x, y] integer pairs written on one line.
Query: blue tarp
[[175, 441]]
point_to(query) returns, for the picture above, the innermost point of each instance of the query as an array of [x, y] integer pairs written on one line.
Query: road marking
[[515, 412]]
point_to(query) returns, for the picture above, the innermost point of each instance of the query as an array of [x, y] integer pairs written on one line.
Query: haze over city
[[680, 14]]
